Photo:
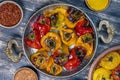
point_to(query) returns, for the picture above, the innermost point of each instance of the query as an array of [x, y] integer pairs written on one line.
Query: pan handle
[[10, 52], [110, 31]]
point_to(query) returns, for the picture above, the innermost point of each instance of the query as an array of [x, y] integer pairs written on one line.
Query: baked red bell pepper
[[73, 61], [42, 24], [33, 39], [77, 54], [40, 27], [83, 27]]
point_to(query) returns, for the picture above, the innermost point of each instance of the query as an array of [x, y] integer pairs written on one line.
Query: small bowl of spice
[[97, 5], [11, 14], [25, 74]]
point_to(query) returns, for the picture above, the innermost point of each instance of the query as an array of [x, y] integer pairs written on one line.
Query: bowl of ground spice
[[97, 5], [11, 14], [25, 74]]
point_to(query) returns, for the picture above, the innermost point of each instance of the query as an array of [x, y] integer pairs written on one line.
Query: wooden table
[[8, 68]]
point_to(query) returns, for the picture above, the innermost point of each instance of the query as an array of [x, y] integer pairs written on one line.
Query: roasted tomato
[[116, 73], [33, 39]]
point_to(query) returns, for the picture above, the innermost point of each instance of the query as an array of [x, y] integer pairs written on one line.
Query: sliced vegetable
[[68, 36], [40, 59], [53, 68], [116, 73], [33, 39], [101, 74], [110, 61], [83, 27], [51, 41]]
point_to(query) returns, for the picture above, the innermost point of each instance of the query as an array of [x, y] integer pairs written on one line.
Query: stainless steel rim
[[96, 41]]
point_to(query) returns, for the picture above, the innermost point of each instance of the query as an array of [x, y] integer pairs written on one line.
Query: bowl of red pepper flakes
[[11, 14], [59, 40]]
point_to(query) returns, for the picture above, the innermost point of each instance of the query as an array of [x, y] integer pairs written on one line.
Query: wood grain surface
[[8, 68]]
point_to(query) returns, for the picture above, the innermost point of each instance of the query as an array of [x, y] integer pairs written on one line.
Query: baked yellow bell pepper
[[57, 21], [101, 74], [65, 49], [51, 41], [110, 61], [68, 36], [53, 68], [40, 58], [57, 17], [70, 24], [54, 11], [88, 46]]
